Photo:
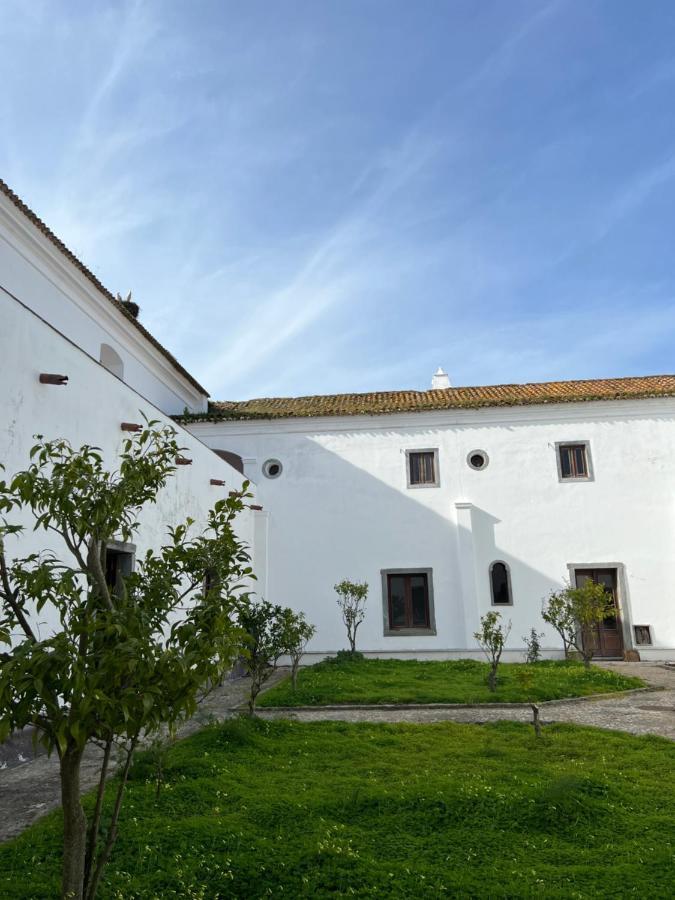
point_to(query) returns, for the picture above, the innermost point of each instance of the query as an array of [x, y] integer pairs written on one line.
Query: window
[[119, 564], [272, 468], [500, 584], [422, 468], [643, 634], [574, 461], [477, 459], [408, 604]]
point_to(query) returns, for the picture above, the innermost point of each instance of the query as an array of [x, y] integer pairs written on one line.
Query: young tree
[[533, 645], [492, 637], [263, 627], [575, 612], [296, 633], [125, 660], [352, 602]]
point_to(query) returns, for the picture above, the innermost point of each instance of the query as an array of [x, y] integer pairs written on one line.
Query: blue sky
[[340, 195]]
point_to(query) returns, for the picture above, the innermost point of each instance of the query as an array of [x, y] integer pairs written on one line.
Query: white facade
[[37, 274], [341, 505], [342, 508], [91, 407]]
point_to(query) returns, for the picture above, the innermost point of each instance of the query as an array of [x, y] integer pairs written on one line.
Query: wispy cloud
[[308, 198]]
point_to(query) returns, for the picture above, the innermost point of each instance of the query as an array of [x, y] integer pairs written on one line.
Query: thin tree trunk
[[92, 888], [492, 678], [92, 839], [294, 672], [255, 690], [74, 827]]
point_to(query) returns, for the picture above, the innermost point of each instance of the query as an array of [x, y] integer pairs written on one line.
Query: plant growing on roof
[[575, 613], [123, 660], [491, 638], [352, 602]]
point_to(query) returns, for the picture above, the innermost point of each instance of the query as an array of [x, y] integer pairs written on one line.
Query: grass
[[458, 681], [254, 809]]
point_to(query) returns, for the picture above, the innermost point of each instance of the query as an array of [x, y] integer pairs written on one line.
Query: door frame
[[622, 595]]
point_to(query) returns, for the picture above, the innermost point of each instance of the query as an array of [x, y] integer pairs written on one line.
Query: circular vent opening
[[477, 459], [272, 468]]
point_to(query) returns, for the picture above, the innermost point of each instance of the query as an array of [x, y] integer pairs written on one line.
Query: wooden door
[[606, 638]]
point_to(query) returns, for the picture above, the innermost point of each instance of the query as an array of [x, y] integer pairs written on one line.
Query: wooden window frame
[[426, 484], [564, 445], [430, 627]]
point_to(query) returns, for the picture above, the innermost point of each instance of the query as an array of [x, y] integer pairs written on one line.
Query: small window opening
[[643, 634], [422, 468], [111, 360], [573, 460], [500, 584], [119, 564]]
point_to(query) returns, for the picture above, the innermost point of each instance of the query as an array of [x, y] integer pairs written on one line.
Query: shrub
[[296, 633], [270, 632], [533, 645]]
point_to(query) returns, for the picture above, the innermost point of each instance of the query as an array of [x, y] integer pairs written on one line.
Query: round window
[[272, 468], [477, 459]]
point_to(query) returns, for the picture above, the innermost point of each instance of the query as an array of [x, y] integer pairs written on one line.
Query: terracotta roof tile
[[448, 398], [58, 243]]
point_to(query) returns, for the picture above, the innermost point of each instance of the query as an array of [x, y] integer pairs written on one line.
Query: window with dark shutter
[[573, 460], [422, 468]]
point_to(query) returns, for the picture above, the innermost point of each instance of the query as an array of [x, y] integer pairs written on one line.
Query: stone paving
[[640, 712], [29, 787]]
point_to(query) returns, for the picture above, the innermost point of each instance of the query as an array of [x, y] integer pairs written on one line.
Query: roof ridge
[[58, 243], [462, 397]]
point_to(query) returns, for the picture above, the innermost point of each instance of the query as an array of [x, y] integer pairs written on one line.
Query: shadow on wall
[[331, 519]]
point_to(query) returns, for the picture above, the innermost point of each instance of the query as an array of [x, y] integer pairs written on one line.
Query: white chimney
[[440, 380]]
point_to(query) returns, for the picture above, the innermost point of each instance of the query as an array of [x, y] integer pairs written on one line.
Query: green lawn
[[282, 809], [456, 681]]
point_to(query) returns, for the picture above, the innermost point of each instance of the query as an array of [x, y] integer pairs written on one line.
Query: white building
[[448, 501], [454, 501], [56, 319]]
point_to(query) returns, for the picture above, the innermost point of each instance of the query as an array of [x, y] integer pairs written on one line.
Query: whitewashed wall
[[42, 278], [90, 410], [341, 509]]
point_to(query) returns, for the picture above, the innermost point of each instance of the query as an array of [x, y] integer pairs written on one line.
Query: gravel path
[[638, 713], [29, 785]]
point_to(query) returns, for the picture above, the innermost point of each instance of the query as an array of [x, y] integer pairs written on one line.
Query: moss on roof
[[383, 402]]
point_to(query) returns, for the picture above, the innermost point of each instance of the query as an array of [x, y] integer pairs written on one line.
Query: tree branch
[[11, 598], [95, 568]]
